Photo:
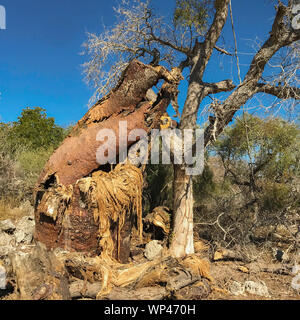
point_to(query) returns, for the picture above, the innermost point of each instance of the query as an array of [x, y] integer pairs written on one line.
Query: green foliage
[[25, 146], [35, 130], [204, 185], [191, 14], [273, 145], [255, 181], [159, 191], [270, 148], [275, 196], [31, 163], [159, 186]]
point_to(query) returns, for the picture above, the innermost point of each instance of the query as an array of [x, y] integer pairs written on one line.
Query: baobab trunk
[[182, 242], [79, 201]]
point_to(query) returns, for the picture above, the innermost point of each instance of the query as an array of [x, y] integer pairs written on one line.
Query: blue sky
[[40, 51]]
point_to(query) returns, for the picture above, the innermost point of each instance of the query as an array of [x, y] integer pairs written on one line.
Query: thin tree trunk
[[182, 237]]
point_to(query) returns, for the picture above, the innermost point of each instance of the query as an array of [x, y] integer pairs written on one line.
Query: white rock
[[23, 237], [237, 288], [7, 226], [2, 277], [6, 244], [5, 239], [6, 250], [153, 250], [24, 230], [257, 288], [26, 222]]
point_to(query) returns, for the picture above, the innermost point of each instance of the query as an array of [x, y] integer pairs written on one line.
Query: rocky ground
[[263, 272]]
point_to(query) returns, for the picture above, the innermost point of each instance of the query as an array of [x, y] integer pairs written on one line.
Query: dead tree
[[66, 214]]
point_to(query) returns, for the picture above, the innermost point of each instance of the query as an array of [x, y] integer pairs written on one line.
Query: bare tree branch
[[223, 51], [281, 92], [281, 35], [222, 86], [137, 34], [163, 42]]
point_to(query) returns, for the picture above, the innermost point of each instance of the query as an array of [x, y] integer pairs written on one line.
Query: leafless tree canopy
[[138, 33]]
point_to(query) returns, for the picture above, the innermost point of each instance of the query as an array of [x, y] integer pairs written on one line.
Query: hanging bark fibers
[[114, 197]]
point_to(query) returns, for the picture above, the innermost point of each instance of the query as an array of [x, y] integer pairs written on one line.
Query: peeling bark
[[182, 242]]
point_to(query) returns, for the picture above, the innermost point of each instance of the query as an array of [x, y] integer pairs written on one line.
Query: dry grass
[[198, 266], [12, 209], [8, 210], [200, 246]]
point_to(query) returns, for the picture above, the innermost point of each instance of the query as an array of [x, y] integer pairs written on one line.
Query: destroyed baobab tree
[[65, 215], [84, 206]]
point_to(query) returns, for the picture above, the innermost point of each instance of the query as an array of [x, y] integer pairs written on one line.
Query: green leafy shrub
[[25, 146], [276, 196], [34, 130], [158, 191]]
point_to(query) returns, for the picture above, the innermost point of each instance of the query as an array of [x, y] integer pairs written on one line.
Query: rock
[[5, 239], [237, 288], [153, 250], [26, 222], [257, 288], [24, 230], [75, 289], [6, 244], [6, 250], [20, 236], [2, 277], [7, 226]]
